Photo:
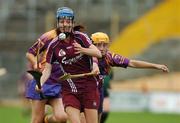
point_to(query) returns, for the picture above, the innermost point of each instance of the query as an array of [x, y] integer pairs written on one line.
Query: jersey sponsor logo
[[69, 47], [62, 52], [72, 60], [94, 103]]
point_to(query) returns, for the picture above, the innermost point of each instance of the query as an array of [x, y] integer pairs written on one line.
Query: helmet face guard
[[65, 19], [100, 37]]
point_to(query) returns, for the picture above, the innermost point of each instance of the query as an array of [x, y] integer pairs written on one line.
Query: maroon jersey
[[73, 63]]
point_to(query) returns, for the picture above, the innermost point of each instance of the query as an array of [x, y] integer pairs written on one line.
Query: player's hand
[[78, 48], [38, 68], [95, 69], [164, 68], [37, 89]]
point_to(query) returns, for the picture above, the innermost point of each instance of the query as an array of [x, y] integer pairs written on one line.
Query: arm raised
[[144, 64]]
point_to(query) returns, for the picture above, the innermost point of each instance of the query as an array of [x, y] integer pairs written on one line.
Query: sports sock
[[104, 117]]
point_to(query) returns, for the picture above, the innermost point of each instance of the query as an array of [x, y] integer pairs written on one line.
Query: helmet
[[99, 37], [64, 12]]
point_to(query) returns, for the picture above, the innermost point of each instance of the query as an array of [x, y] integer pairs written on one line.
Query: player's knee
[[37, 120], [74, 120], [61, 117]]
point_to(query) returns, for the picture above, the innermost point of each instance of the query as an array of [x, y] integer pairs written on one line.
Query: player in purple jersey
[[108, 60], [51, 89], [74, 51]]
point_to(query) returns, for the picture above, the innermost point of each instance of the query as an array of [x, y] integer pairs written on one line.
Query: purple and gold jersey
[[43, 43], [105, 63], [111, 60], [73, 63]]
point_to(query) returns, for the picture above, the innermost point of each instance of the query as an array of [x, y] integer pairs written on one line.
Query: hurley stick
[[69, 76], [35, 73]]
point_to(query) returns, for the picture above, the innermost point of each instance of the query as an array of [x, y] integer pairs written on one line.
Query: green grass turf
[[142, 117], [15, 115]]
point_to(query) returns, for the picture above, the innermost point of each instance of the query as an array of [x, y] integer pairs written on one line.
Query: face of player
[[103, 47], [65, 25]]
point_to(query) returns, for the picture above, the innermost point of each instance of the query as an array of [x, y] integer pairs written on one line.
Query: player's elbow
[[99, 55], [132, 63], [27, 55]]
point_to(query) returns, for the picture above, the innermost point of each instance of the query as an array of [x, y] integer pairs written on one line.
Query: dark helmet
[[65, 12]]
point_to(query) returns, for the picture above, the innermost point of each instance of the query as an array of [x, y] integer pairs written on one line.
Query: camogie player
[[106, 100], [74, 51], [108, 60], [51, 89]]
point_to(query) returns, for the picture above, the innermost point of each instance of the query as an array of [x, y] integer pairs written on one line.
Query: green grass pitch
[[14, 115]]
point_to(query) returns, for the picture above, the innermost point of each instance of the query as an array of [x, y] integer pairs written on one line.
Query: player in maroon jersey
[[108, 60], [74, 51]]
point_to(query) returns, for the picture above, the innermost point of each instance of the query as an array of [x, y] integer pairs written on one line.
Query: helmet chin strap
[[67, 33]]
